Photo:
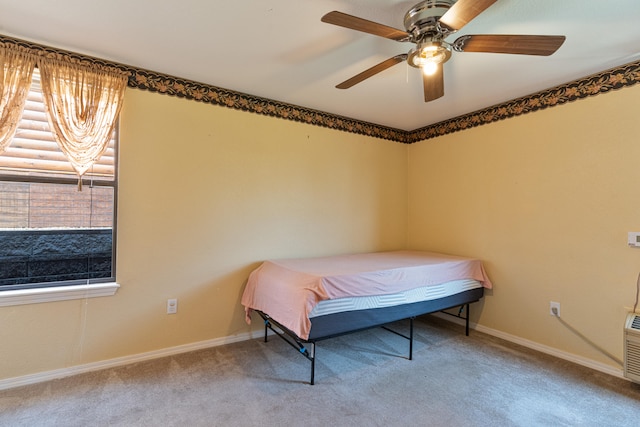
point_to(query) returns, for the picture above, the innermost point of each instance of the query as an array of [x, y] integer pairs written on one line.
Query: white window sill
[[59, 293]]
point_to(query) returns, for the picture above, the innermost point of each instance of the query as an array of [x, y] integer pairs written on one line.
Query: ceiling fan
[[427, 25]]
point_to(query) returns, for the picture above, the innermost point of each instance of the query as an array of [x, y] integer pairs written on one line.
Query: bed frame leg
[[293, 341], [466, 329], [411, 338], [313, 363]]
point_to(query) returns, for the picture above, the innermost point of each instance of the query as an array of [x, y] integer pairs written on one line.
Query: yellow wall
[[547, 200], [206, 193]]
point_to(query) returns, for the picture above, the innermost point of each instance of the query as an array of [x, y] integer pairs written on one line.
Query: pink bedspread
[[289, 289]]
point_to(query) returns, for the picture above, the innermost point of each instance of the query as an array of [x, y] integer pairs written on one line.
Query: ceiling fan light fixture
[[428, 55]]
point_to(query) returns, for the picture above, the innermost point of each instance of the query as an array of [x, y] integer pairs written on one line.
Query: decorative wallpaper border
[[155, 82], [616, 78]]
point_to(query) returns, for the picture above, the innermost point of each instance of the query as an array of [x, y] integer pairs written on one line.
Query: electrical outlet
[[554, 308], [172, 306]]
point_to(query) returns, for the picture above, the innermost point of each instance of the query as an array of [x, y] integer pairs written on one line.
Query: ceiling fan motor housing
[[423, 17]]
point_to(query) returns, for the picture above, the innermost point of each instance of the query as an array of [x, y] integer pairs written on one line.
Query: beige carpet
[[363, 379]]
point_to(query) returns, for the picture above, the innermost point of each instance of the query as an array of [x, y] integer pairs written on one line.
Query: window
[[51, 234]]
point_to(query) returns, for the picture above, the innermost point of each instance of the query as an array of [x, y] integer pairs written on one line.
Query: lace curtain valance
[[82, 103], [16, 69]]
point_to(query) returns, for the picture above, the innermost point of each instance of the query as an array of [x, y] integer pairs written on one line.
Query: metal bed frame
[[308, 347]]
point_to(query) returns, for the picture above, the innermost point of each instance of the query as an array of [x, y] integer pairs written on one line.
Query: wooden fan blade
[[464, 11], [515, 44], [360, 24], [433, 85], [372, 71]]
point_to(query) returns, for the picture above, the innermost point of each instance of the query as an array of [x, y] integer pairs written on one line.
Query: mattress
[[345, 322], [423, 293]]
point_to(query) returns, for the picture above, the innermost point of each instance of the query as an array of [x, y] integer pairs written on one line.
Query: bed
[[307, 300]]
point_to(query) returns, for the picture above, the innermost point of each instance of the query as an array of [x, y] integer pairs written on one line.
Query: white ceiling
[[279, 49]]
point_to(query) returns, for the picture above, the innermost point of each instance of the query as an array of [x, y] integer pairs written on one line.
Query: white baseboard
[[607, 369], [156, 354], [120, 361]]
